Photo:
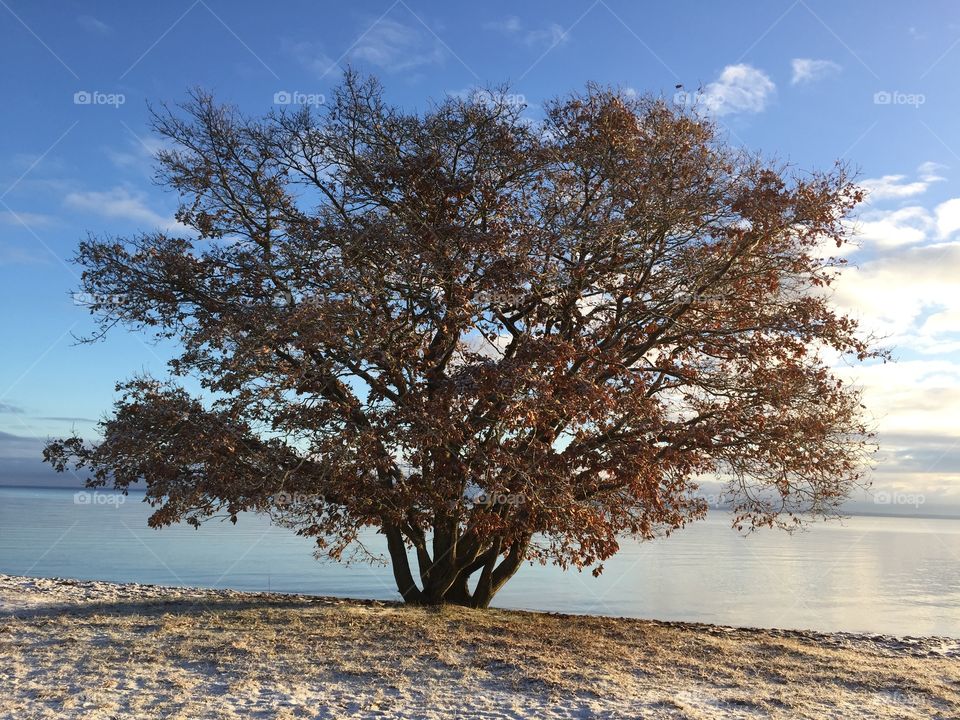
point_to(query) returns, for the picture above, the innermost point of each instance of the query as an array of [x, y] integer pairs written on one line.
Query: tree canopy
[[491, 338]]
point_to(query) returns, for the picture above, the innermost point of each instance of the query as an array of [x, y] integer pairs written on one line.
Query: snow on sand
[[71, 649]]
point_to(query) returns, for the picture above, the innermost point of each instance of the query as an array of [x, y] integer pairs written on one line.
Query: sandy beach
[[77, 649]]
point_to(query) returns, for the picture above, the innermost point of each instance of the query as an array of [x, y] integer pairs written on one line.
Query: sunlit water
[[873, 574]]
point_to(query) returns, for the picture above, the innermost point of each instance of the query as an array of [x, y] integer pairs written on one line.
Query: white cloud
[[740, 88], [912, 406], [898, 292], [395, 47], [893, 186], [139, 153], [930, 171], [92, 24], [905, 292], [894, 228], [912, 402], [807, 70], [511, 24], [32, 220], [948, 217], [17, 255], [947, 321], [121, 204], [910, 397], [898, 186], [547, 36], [312, 58]]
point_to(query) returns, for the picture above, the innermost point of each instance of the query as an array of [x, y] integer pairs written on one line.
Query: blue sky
[[808, 82]]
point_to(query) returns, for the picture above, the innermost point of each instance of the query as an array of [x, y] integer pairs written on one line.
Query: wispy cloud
[[903, 285], [10, 409], [889, 187], [739, 88], [895, 228], [20, 447], [907, 295], [886, 229], [893, 186], [94, 25], [808, 70], [931, 171], [547, 36], [509, 25], [60, 418], [33, 220], [312, 58], [948, 217], [122, 204], [395, 47], [139, 152], [16, 255]]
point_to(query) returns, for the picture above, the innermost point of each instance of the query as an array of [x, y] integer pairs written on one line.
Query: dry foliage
[[495, 340]]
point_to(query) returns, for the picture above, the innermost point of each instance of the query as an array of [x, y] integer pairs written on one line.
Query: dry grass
[[71, 652]]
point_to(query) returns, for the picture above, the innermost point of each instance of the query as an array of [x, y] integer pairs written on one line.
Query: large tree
[[493, 339]]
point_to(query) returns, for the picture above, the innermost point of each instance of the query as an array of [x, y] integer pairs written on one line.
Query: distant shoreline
[[157, 650], [848, 513]]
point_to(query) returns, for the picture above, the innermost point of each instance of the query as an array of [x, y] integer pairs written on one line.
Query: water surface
[[868, 574]]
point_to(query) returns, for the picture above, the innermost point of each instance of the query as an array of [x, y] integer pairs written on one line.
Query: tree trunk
[[445, 584], [401, 566], [503, 572]]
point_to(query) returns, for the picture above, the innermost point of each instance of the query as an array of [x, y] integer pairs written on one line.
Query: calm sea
[[869, 574]]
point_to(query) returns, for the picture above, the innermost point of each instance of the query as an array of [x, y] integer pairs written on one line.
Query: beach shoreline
[[92, 649]]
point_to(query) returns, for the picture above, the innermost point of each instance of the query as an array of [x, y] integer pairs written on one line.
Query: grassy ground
[[96, 650]]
